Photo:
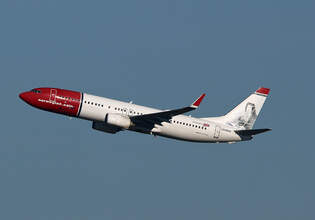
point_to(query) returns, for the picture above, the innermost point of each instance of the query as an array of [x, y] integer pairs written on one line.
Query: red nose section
[[60, 101], [23, 95], [27, 97]]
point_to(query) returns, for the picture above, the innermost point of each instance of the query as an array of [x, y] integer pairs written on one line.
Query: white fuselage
[[181, 127]]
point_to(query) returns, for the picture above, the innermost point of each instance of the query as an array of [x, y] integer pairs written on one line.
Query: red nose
[[23, 95], [26, 97]]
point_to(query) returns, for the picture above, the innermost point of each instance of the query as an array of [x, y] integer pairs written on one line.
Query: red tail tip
[[263, 90]]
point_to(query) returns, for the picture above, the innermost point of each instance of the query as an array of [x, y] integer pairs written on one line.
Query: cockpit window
[[35, 90]]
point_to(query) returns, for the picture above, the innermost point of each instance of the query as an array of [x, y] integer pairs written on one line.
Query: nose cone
[[23, 96], [26, 97]]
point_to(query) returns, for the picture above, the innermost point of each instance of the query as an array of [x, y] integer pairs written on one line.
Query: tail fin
[[243, 116]]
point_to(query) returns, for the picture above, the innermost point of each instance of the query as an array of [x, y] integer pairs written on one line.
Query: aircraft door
[[53, 94], [217, 132]]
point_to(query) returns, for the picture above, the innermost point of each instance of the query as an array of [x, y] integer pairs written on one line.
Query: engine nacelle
[[105, 127], [118, 120]]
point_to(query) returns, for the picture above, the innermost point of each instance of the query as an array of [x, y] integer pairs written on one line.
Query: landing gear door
[[53, 94], [217, 132]]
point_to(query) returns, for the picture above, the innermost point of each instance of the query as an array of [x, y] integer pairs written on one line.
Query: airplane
[[111, 116]]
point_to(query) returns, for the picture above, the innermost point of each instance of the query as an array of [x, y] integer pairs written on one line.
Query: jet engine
[[105, 127], [118, 120]]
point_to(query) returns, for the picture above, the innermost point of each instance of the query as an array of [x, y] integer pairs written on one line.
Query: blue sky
[[162, 54]]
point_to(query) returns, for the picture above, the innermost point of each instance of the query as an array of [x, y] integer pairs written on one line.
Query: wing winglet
[[198, 101]]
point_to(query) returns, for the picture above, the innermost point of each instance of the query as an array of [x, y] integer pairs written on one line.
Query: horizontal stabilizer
[[251, 132]]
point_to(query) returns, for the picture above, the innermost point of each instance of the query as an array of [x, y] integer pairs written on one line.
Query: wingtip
[[198, 101]]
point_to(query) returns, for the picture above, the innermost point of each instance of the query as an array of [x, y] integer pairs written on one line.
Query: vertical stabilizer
[[245, 114]]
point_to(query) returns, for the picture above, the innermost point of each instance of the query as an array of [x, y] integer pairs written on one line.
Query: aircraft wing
[[159, 117]]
